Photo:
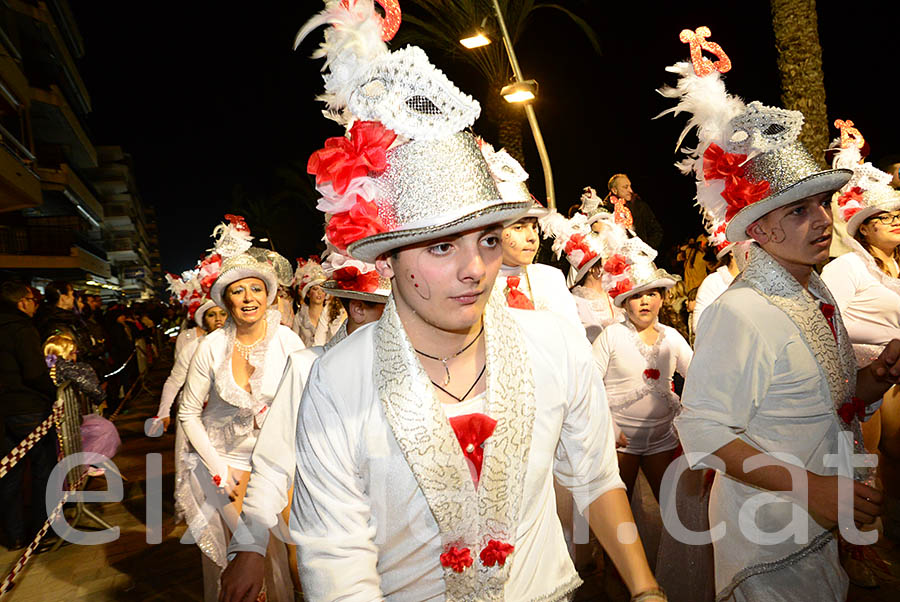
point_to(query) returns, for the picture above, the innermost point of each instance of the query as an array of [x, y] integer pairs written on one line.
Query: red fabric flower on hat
[[344, 159], [578, 243], [651, 373], [351, 279], [350, 226], [623, 286], [719, 165], [209, 271], [457, 559], [495, 553], [237, 222], [615, 265], [740, 192], [514, 297], [854, 407], [472, 430], [854, 194]]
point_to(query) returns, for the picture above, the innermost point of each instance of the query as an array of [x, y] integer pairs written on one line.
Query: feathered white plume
[[351, 44]]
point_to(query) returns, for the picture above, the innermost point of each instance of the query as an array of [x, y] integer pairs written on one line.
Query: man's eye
[[440, 249], [491, 241]]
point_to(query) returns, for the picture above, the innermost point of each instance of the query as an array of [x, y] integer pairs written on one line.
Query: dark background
[[211, 101]]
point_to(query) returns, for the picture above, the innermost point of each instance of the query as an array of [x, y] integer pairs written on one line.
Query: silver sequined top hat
[[309, 273], [243, 266], [630, 270], [434, 188], [748, 161], [406, 171], [351, 278]]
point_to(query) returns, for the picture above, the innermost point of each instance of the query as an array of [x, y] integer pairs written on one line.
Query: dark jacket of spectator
[[25, 384]]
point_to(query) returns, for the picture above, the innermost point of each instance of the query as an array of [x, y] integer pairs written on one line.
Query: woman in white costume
[[637, 359], [230, 385], [318, 316]]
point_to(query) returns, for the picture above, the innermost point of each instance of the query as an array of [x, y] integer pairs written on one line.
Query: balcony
[[50, 248], [122, 250], [20, 187], [65, 182], [19, 184], [54, 123]]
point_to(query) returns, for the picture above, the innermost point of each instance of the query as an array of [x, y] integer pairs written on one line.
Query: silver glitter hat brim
[[817, 183], [198, 315], [666, 282], [372, 247], [865, 213], [233, 274], [334, 290]]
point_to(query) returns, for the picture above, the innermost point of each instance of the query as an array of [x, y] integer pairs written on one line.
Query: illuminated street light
[[520, 91], [476, 40]]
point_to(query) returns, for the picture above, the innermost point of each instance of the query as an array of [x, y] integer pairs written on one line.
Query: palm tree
[[796, 27], [443, 22]]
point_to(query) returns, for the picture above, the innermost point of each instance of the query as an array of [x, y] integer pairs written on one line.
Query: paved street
[[131, 570]]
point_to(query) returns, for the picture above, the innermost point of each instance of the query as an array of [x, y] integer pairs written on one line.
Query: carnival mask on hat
[[405, 172], [748, 161]]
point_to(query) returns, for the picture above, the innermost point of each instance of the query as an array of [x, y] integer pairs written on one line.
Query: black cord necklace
[[460, 399], [444, 360]]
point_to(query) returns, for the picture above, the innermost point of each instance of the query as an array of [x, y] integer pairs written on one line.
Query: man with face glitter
[[429, 474], [773, 398]]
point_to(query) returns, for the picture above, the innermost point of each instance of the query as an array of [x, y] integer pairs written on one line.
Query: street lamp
[[520, 91], [523, 91], [478, 38]]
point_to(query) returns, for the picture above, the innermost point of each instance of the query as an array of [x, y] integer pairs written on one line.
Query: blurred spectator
[[693, 258], [57, 315], [891, 165], [26, 398], [621, 197]]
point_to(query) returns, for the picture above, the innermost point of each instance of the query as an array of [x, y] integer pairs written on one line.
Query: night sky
[[212, 103]]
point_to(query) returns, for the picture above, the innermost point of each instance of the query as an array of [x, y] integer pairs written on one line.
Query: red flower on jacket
[[351, 279], [651, 373], [350, 226], [344, 159], [854, 407], [719, 165], [495, 553], [615, 265], [623, 286], [740, 192], [472, 430], [514, 297], [457, 559]]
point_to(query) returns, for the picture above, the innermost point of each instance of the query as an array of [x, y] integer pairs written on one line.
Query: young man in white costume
[[773, 398], [430, 475], [363, 294]]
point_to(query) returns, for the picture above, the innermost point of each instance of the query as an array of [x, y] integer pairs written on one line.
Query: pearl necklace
[[246, 350]]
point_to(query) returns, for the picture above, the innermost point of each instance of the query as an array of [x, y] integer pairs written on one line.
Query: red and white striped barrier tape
[[19, 451]]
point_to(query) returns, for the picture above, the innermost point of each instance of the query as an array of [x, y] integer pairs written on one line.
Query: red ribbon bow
[[514, 297], [495, 553], [577, 243], [345, 159], [651, 373], [623, 286], [351, 279], [719, 165], [457, 559], [854, 407], [739, 191], [472, 430]]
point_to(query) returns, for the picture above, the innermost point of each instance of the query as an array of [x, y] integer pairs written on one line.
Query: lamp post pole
[[529, 111]]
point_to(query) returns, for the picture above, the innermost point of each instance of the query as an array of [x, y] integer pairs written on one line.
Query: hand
[[243, 578], [621, 440], [165, 423], [886, 367], [825, 506]]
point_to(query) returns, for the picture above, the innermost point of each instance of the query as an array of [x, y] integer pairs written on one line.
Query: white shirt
[[224, 432], [186, 335], [622, 357], [363, 526], [871, 310], [596, 310], [545, 286], [712, 286]]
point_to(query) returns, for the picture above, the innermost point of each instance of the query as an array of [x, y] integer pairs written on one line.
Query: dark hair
[[861, 239], [13, 291], [55, 290]]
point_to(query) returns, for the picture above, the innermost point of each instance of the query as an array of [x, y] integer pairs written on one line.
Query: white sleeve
[[592, 326], [586, 462], [176, 378], [706, 294], [841, 281], [196, 392], [729, 377], [601, 350], [331, 515], [683, 352], [272, 462]]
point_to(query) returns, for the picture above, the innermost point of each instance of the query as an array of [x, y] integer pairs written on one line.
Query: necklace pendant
[[447, 371]]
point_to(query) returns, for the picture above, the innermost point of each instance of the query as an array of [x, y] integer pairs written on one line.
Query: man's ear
[[384, 266], [355, 311], [756, 232]]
